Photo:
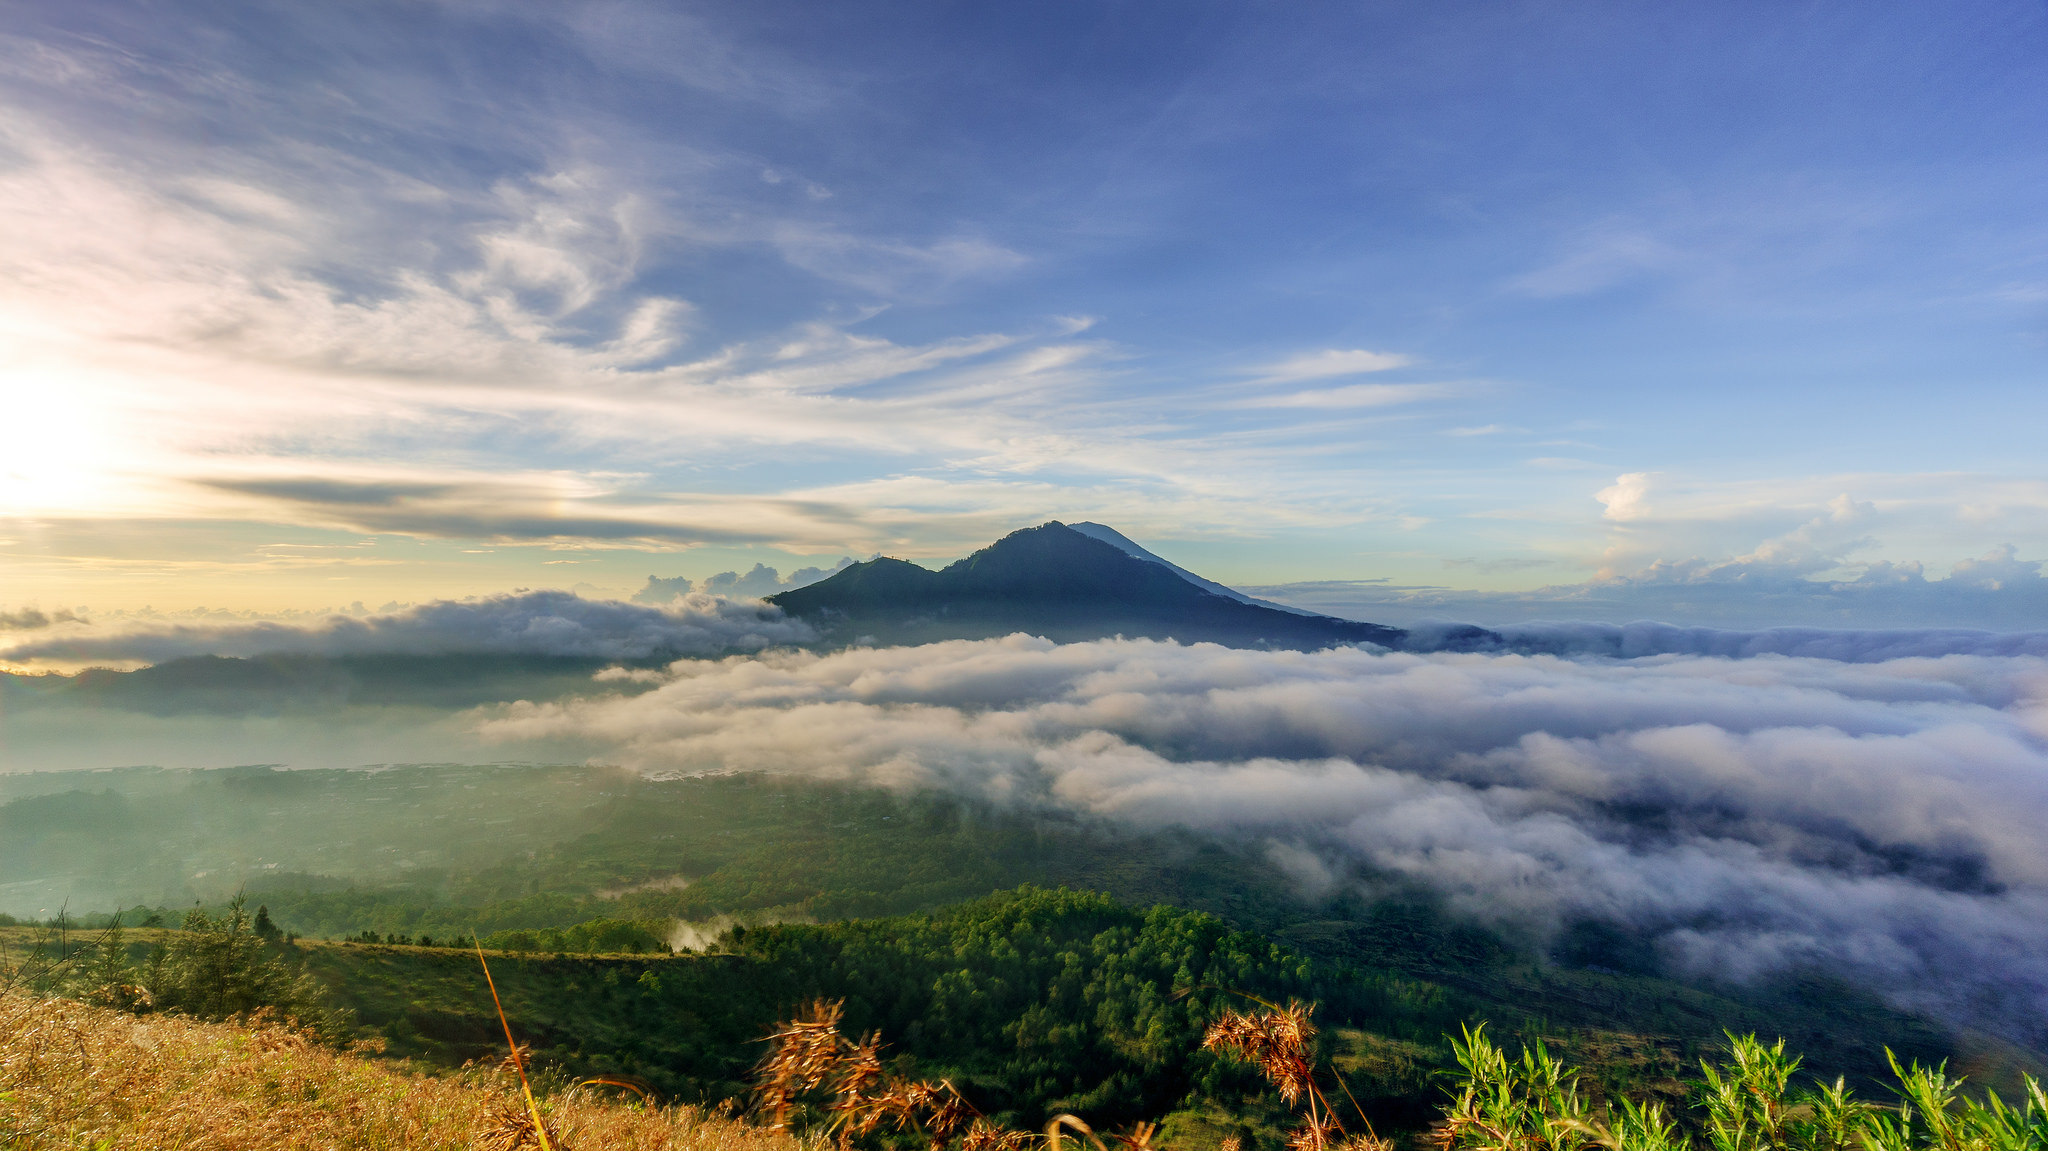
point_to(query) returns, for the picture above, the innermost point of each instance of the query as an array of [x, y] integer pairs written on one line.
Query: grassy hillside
[[78, 1076]]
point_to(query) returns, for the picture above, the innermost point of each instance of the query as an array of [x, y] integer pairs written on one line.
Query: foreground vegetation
[[1032, 1002], [73, 1075], [1031, 998], [1027, 1004], [1752, 1101], [559, 861], [78, 1075]]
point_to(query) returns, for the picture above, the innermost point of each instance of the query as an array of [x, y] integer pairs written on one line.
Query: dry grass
[[1278, 1042], [77, 1076], [808, 1058], [808, 1055]]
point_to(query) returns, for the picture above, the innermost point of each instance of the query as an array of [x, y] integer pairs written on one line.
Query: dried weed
[[77, 1075]]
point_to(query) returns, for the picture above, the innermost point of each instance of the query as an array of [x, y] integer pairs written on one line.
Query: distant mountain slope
[[1118, 540], [1065, 583]]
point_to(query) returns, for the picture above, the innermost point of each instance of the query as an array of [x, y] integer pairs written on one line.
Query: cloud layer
[[1750, 814], [543, 623], [1642, 639], [1994, 590], [760, 580], [1753, 801]]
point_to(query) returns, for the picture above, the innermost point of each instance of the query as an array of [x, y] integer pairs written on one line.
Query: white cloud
[[1624, 499], [893, 268], [757, 582], [1880, 816], [214, 360], [543, 623], [373, 284], [1328, 363], [1603, 258], [1353, 396], [1781, 593]]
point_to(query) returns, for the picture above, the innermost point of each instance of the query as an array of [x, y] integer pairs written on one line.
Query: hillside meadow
[[73, 1075]]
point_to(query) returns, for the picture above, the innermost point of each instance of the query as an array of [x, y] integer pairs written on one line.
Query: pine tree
[[109, 979], [221, 966]]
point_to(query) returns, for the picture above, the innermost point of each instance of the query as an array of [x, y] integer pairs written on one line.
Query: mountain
[[1063, 582], [1118, 540]]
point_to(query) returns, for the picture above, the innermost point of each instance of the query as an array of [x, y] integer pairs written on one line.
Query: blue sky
[[1521, 309]]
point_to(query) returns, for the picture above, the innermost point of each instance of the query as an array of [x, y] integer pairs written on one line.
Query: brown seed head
[[1277, 1041], [1138, 1138], [1313, 1135], [511, 1129], [983, 1135]]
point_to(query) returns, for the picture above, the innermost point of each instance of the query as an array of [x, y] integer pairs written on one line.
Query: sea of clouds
[[1647, 638], [1794, 578], [667, 618], [1750, 814], [534, 623], [1753, 801]]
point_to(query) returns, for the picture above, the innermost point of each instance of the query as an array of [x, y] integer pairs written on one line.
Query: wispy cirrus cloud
[[1602, 259], [1329, 363], [225, 366], [1352, 396], [569, 509], [635, 277]]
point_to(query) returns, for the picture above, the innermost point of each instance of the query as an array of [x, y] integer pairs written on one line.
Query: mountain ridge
[[1066, 582], [1120, 541]]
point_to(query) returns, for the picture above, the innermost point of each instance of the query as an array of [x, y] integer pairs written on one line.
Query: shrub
[[593, 936]]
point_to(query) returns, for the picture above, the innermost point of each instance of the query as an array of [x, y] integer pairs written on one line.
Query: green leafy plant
[[1747, 1103], [1933, 1115], [1527, 1104]]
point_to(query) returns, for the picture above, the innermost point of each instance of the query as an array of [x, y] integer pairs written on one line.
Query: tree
[[222, 966]]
